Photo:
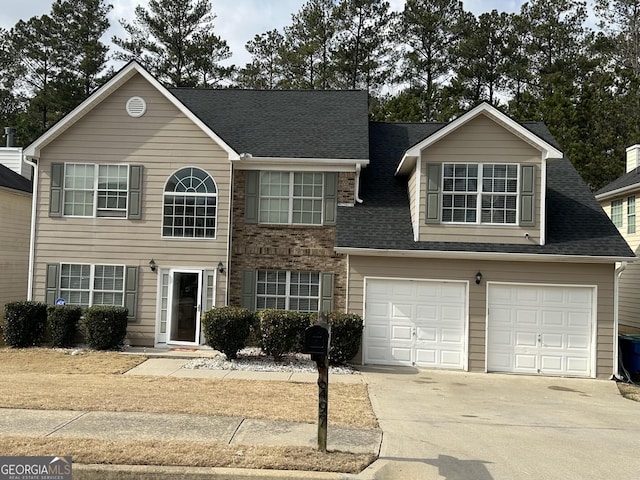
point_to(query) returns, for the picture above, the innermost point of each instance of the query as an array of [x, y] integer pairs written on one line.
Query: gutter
[[32, 236], [619, 191], [616, 306], [356, 193]]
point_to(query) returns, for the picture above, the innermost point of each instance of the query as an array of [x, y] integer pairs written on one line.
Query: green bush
[[25, 323], [346, 335], [282, 331], [63, 324], [105, 327], [227, 328]]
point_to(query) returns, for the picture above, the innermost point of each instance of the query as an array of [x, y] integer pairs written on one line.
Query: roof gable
[[547, 149], [626, 183]]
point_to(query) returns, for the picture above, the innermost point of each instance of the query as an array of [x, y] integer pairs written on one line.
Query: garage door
[[415, 322], [536, 329]]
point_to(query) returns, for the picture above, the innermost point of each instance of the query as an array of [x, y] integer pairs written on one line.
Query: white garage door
[[537, 329], [415, 322]]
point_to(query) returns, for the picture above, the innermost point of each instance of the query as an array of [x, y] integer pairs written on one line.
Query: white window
[[631, 214], [87, 285], [190, 204], [616, 213], [480, 193], [288, 290], [291, 198], [95, 190]]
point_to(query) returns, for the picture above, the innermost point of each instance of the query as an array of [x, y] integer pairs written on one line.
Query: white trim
[[543, 203], [198, 327], [32, 240], [548, 151], [417, 203], [594, 319], [248, 162], [616, 317], [126, 73], [614, 193], [499, 256]]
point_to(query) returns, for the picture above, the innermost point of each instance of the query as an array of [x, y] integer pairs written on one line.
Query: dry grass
[[632, 392], [193, 454]]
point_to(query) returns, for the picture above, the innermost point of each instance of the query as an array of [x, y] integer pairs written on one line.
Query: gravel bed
[[252, 359]]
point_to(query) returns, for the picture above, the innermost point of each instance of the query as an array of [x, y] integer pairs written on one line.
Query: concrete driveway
[[468, 426]]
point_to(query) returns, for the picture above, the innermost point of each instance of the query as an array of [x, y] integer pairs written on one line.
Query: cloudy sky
[[237, 21]]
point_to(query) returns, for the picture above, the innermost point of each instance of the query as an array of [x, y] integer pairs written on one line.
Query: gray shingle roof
[[284, 123], [576, 224], [626, 180], [10, 179]]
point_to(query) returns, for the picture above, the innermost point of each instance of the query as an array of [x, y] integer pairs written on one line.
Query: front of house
[[471, 245]]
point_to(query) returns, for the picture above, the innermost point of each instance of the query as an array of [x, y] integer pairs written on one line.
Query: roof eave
[[618, 191], [246, 161]]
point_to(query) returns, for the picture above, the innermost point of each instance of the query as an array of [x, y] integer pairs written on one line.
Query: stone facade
[[286, 247]]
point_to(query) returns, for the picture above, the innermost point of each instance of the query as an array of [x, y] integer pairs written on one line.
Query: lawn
[[56, 379]]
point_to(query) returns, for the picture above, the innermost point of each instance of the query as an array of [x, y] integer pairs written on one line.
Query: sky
[[237, 21]]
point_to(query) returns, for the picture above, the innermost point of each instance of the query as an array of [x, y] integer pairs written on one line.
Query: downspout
[[357, 184], [32, 236], [616, 288], [230, 233]]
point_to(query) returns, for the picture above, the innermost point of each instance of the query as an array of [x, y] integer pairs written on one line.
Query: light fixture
[[152, 265], [478, 278], [220, 268]]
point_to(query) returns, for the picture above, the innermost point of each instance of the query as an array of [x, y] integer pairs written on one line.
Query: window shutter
[[135, 192], [330, 197], [131, 291], [434, 176], [51, 286], [527, 196], [249, 289], [252, 177], [55, 189], [326, 292]]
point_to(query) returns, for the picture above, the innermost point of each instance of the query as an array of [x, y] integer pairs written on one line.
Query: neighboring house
[[15, 219], [618, 199], [471, 245]]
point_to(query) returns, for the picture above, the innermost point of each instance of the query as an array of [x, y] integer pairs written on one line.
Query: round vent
[[136, 107]]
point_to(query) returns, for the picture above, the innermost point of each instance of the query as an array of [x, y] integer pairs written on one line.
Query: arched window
[[189, 205]]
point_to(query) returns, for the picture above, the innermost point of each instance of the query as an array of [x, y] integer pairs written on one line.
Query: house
[[15, 218], [618, 199], [470, 245]]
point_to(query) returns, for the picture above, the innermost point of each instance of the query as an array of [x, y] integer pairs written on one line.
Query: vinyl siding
[[601, 276], [481, 140], [15, 218], [163, 141]]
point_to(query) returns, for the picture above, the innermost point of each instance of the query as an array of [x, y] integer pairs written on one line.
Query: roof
[[628, 181], [576, 224], [284, 123], [13, 180]]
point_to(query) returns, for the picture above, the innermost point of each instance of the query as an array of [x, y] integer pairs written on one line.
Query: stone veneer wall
[[286, 247]]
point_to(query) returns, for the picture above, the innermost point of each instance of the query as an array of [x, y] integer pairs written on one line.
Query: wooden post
[[323, 400]]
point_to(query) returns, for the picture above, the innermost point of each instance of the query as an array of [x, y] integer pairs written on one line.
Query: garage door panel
[[378, 332], [526, 318], [552, 363], [501, 316], [426, 314], [401, 332], [377, 354], [427, 334], [450, 359], [576, 365], [401, 355], [526, 362], [452, 336], [426, 357], [579, 342], [503, 338], [551, 340], [550, 319], [526, 339], [578, 319], [401, 311]]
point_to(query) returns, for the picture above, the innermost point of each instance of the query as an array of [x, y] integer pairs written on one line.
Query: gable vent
[[136, 107]]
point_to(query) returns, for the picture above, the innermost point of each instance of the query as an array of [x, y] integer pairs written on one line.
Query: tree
[[265, 69], [174, 40]]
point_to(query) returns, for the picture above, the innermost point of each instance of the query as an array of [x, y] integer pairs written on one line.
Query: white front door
[[415, 322], [540, 329], [185, 306]]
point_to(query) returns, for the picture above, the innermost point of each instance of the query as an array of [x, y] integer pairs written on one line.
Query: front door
[[185, 306]]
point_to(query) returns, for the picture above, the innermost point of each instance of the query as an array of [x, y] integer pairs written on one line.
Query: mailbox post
[[316, 343]]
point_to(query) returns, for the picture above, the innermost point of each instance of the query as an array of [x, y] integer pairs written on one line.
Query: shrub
[[346, 335], [25, 323], [105, 326], [63, 324], [282, 331], [227, 328]]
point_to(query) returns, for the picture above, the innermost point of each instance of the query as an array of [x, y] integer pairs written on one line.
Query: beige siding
[[601, 276], [481, 140], [163, 141], [15, 218]]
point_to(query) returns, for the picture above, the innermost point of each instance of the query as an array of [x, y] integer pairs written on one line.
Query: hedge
[[63, 324], [346, 336], [25, 323], [282, 331], [105, 327], [227, 329]]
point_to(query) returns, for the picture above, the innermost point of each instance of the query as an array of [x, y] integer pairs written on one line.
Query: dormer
[[480, 178]]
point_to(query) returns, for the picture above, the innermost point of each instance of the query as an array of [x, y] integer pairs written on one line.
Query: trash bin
[[630, 347]]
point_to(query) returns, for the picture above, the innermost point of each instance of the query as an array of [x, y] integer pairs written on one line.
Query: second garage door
[[540, 329], [415, 322]]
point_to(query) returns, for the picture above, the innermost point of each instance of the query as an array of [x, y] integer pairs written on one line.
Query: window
[[288, 290], [291, 198], [190, 204], [616, 213], [95, 190], [479, 193], [87, 285], [631, 214]]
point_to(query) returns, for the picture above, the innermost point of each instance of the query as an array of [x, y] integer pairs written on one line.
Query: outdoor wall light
[[478, 278], [152, 265], [220, 268]]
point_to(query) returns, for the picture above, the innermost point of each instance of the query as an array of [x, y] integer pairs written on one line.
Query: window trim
[[617, 215], [288, 296], [631, 215], [96, 190], [291, 197], [92, 290], [479, 193]]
